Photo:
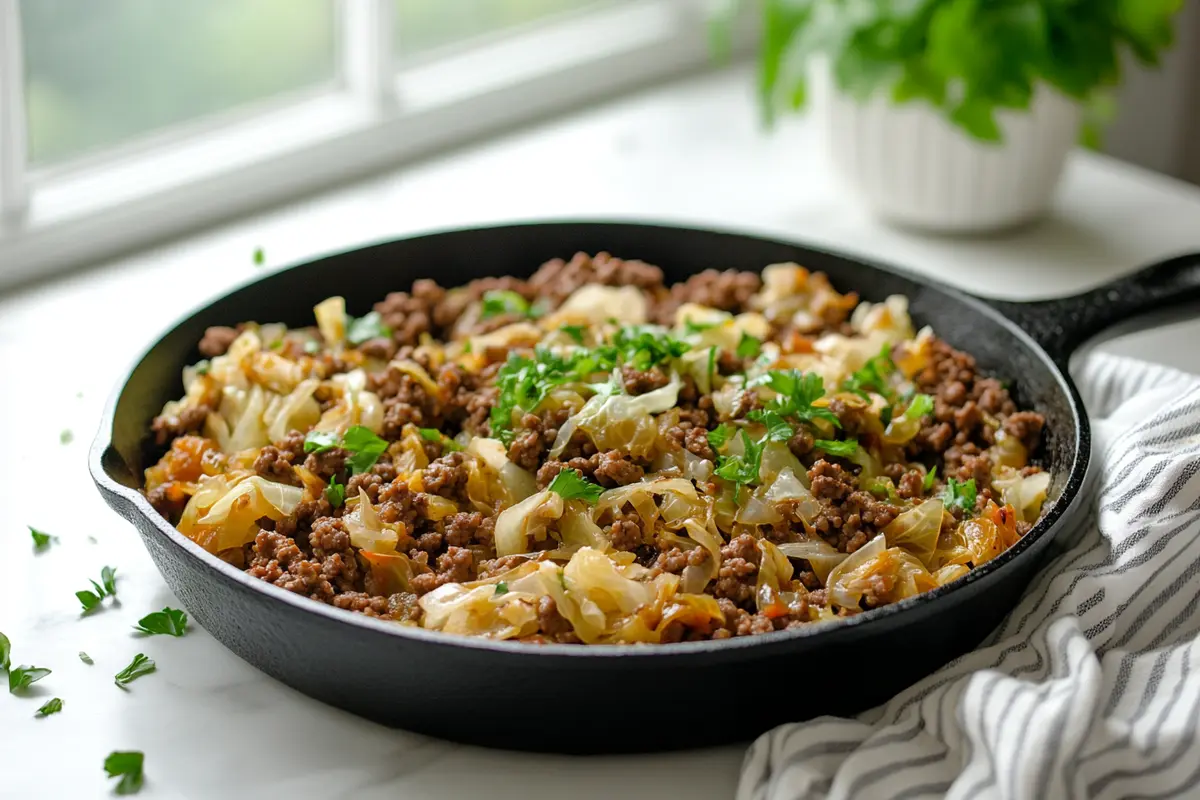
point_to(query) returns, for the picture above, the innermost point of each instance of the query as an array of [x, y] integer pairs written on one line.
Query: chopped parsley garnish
[[40, 540], [885, 416], [107, 588], [919, 406], [742, 469], [797, 391], [930, 477], [501, 588], [364, 446], [644, 346], [137, 668], [85, 658], [960, 495], [467, 346], [169, 621], [524, 382], [51, 706], [574, 331], [712, 367], [569, 484], [22, 677], [320, 441], [883, 488], [873, 377], [834, 448], [778, 428], [66, 436], [335, 492], [503, 301], [128, 767], [259, 257], [5, 652], [365, 328], [690, 327], [749, 346], [434, 435], [719, 435]]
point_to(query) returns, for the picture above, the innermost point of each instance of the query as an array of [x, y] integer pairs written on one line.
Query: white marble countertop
[[211, 725]]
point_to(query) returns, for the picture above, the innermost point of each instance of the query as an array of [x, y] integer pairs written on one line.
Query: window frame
[[380, 112]]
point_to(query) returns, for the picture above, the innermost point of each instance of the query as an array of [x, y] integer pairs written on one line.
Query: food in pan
[[593, 456]]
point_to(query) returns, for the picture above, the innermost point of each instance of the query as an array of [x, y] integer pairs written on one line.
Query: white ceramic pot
[[914, 168]]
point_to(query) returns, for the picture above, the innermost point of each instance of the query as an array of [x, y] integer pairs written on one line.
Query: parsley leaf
[[797, 391], [691, 326], [501, 588], [51, 706], [5, 652], [335, 492], [434, 435], [524, 382], [503, 301], [574, 331], [365, 446], [744, 468], [778, 428], [128, 766], [873, 376], [644, 346], [20, 678], [109, 576], [569, 484], [66, 436], [259, 257], [719, 435], [89, 600], [918, 407], [960, 495], [85, 658], [368, 327], [320, 441], [169, 621], [930, 477], [749, 346], [137, 668], [40, 540], [840, 449]]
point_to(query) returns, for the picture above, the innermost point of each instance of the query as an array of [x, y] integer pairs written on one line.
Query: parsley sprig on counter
[[51, 706], [169, 621], [22, 677], [41, 540], [141, 665], [128, 766], [106, 588]]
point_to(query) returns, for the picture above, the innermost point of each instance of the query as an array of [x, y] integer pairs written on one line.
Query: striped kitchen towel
[[1091, 687]]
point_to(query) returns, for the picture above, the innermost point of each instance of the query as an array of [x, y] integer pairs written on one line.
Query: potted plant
[[954, 115]]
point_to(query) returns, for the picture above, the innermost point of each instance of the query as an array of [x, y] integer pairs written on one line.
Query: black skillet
[[575, 699]]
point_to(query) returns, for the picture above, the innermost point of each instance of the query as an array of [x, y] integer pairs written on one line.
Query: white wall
[[1158, 118]]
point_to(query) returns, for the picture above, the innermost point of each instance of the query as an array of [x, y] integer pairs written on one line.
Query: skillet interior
[[564, 698]]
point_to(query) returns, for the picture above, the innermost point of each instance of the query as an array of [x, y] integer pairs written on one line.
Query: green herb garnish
[[320, 441], [335, 492], [89, 599], [259, 257], [719, 435], [128, 767], [569, 484], [960, 495], [169, 621], [109, 576], [645, 346], [778, 428], [107, 588], [365, 446], [501, 588], [797, 392], [434, 435], [503, 301], [834, 448], [368, 327], [5, 652], [742, 469], [85, 658], [749, 346], [51, 706], [930, 477], [137, 668], [524, 382], [65, 436], [574, 331], [40, 540], [690, 327], [919, 406], [23, 676], [873, 376]]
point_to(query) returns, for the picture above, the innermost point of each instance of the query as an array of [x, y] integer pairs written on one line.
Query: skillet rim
[[134, 501]]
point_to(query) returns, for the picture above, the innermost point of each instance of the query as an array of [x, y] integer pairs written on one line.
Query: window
[[125, 121]]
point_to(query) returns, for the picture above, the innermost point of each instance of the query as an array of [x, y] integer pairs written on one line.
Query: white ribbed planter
[[912, 167]]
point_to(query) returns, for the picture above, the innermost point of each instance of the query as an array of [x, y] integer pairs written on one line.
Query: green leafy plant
[[967, 58]]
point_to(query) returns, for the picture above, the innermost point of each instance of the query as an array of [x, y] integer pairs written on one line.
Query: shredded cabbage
[[822, 557], [224, 512], [621, 421], [917, 530], [331, 320], [526, 522]]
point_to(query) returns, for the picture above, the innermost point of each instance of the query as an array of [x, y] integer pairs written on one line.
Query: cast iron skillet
[[575, 699]]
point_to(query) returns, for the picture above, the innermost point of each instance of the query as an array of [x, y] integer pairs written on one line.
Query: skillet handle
[[1155, 295]]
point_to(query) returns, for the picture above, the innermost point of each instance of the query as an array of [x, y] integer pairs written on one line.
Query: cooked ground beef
[[428, 386]]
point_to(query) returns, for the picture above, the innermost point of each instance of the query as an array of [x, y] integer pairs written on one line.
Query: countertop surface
[[209, 724]]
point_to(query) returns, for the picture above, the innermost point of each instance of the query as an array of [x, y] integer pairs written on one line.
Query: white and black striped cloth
[[1091, 687]]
